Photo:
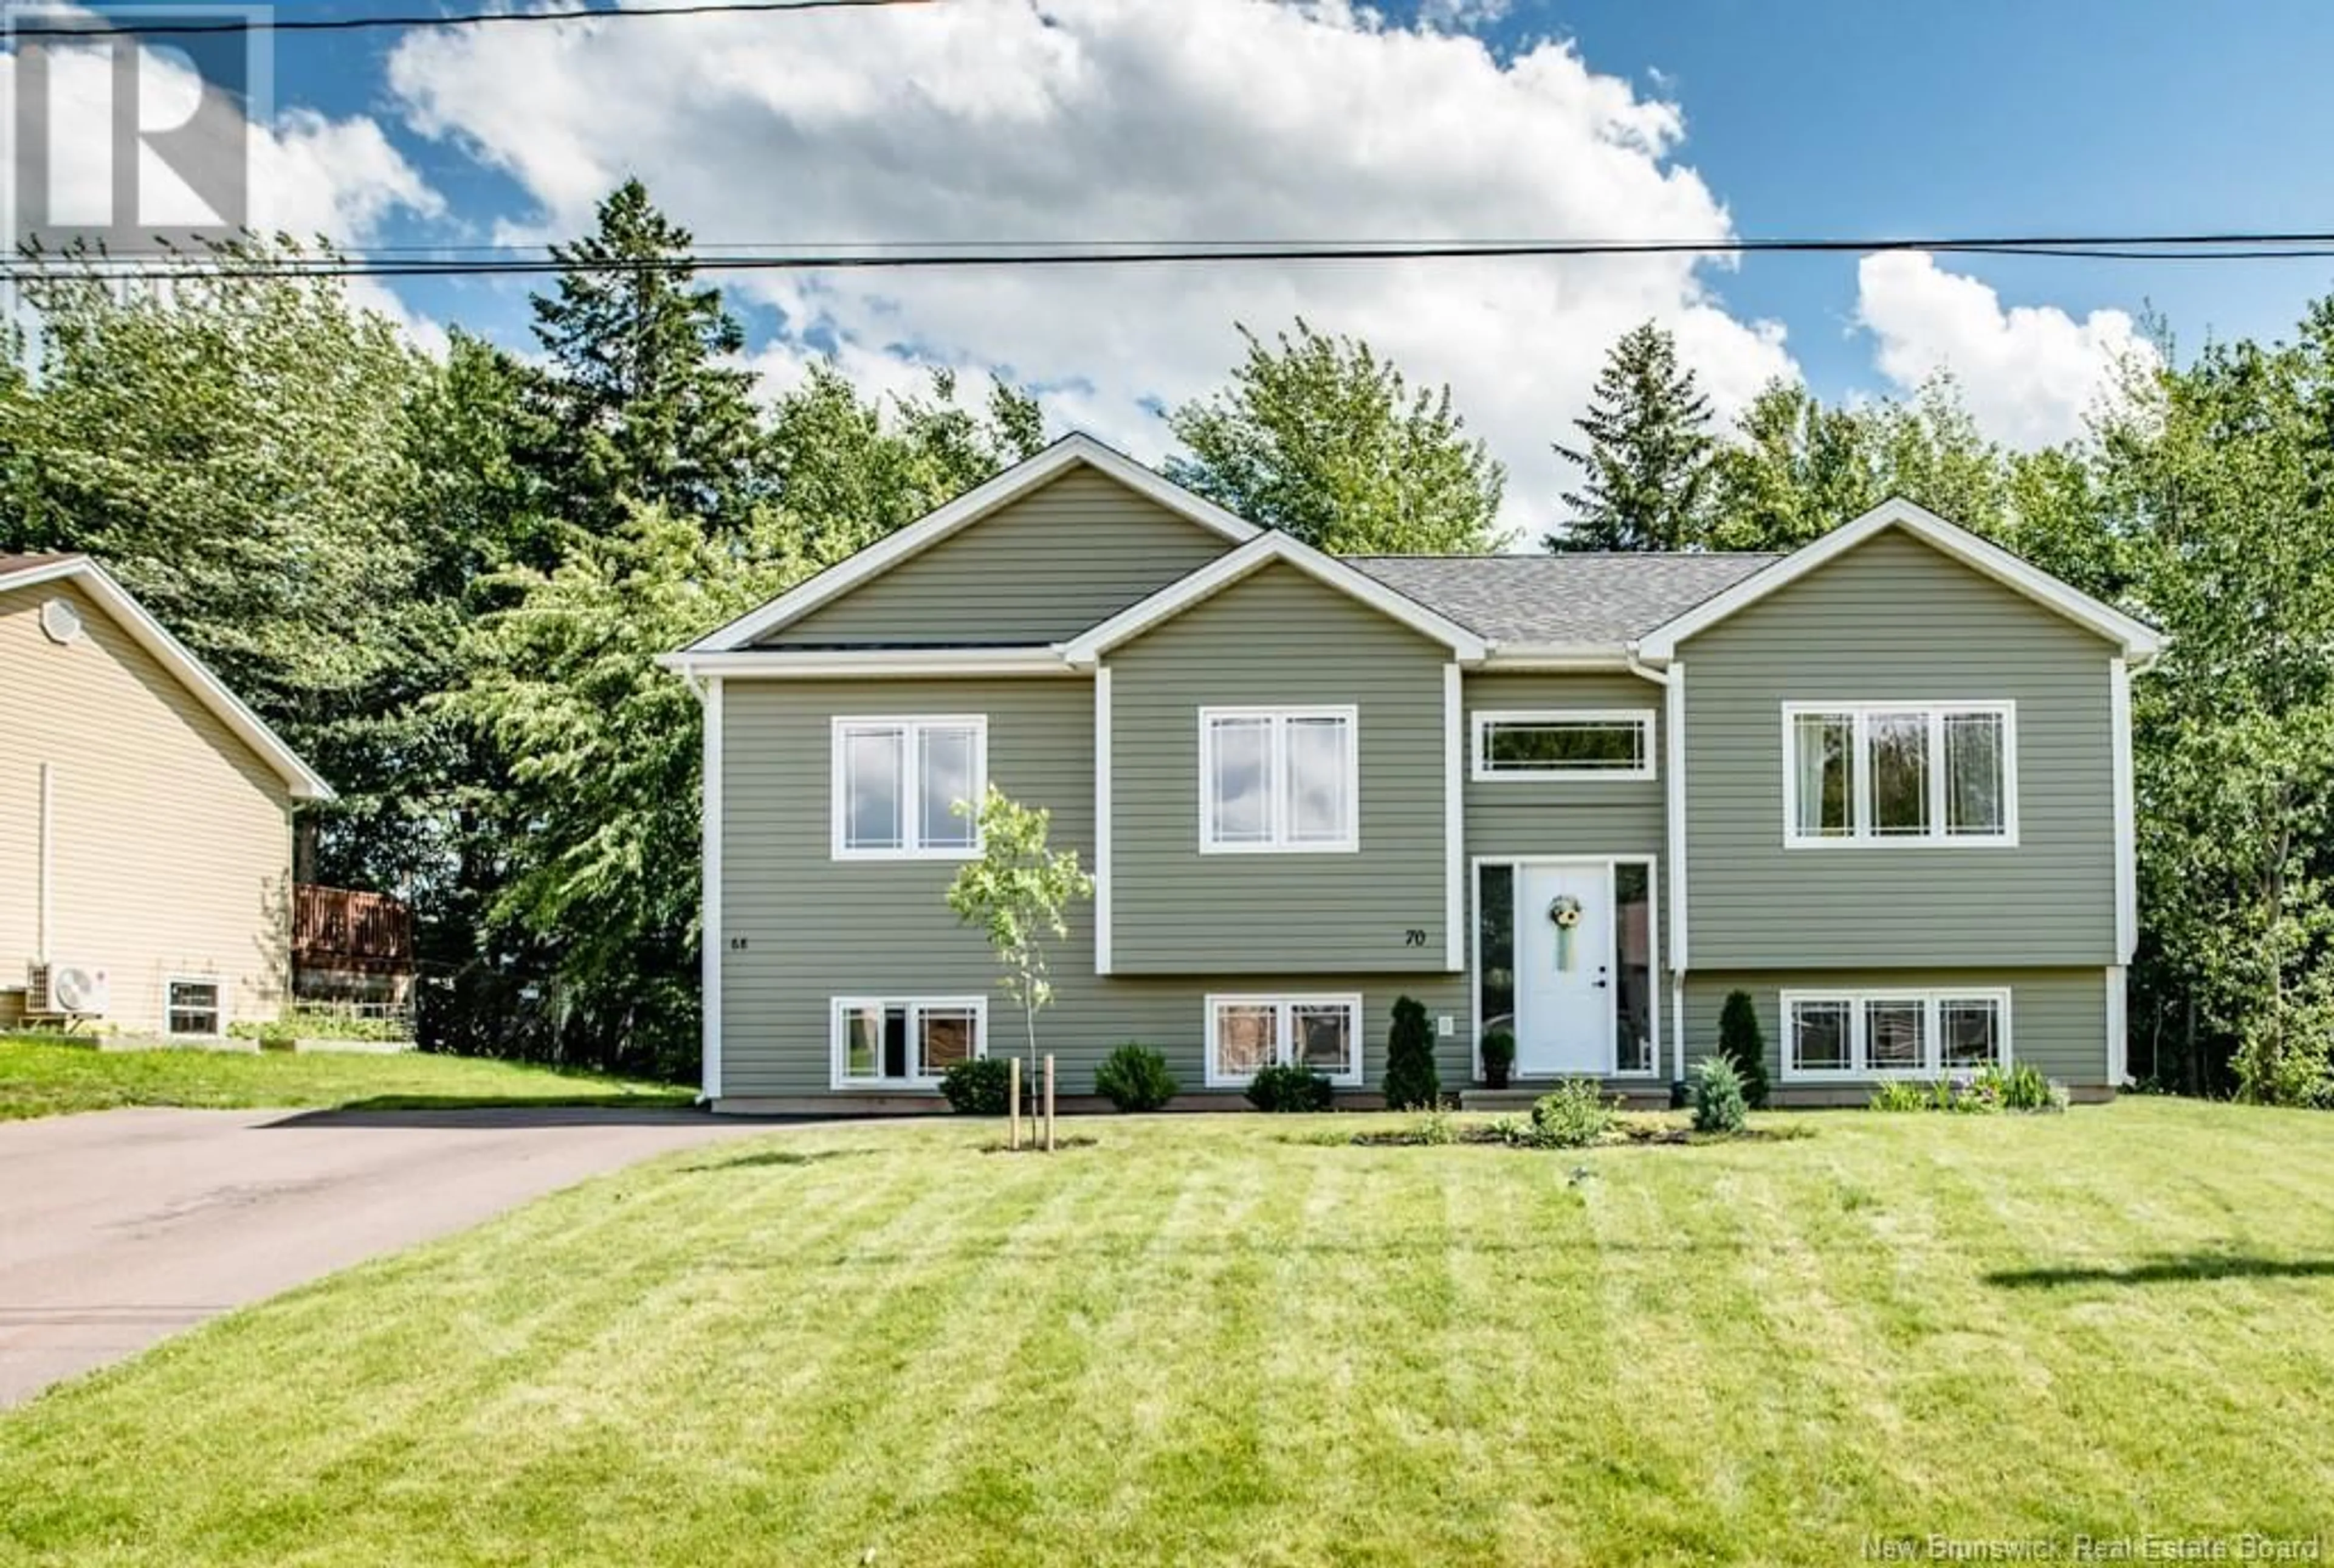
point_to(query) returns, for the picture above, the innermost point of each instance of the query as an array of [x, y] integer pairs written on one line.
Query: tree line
[[443, 577]]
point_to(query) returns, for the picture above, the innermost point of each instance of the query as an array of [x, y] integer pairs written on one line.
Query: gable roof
[[27, 571], [2140, 641], [1564, 601], [966, 509], [1264, 550]]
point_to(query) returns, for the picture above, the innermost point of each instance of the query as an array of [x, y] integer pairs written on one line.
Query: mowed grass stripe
[[1217, 1339]]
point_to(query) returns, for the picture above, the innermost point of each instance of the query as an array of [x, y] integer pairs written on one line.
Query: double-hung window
[[1911, 774], [1247, 1035], [1894, 1033], [905, 788], [905, 1042], [1278, 779]]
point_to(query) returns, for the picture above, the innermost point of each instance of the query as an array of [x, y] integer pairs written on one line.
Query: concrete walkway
[[121, 1227]]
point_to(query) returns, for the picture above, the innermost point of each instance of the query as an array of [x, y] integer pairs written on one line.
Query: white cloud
[[2029, 373], [307, 174], [1004, 119]]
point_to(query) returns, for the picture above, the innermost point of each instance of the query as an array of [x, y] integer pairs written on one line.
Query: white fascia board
[[966, 509], [1559, 656], [1088, 646], [304, 783], [828, 664], [2139, 642]]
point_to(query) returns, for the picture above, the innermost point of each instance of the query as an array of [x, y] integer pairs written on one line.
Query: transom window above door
[[1900, 773], [1283, 780], [1565, 744], [898, 782]]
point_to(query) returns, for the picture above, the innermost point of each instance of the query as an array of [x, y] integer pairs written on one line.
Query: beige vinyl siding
[[815, 927], [172, 838], [1065, 556], [2058, 1018], [1279, 637], [1893, 620]]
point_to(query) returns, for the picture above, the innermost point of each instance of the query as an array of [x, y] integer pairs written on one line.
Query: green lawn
[[1210, 1339], [42, 1079]]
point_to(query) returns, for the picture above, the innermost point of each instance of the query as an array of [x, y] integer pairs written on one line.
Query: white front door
[[1564, 970]]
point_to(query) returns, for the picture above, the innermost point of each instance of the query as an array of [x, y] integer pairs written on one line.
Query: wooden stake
[[1049, 1105], [1013, 1102]]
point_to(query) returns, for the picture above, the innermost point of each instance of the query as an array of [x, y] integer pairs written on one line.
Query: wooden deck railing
[[343, 929]]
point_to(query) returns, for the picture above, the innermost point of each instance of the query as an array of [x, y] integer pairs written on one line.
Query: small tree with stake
[[1019, 892]]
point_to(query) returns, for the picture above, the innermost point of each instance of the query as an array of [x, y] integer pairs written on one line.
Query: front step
[[1635, 1095]]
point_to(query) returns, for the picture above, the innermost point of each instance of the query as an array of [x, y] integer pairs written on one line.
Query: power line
[[457, 19], [889, 256]]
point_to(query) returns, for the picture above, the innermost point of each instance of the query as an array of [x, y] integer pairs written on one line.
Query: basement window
[[192, 1007], [906, 1042]]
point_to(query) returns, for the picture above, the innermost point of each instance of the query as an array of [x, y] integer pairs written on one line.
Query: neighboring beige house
[[145, 819]]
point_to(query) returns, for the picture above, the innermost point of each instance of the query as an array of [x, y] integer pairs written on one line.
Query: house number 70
[[1413, 938]]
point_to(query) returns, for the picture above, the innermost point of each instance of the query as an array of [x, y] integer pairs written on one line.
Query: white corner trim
[[853, 663], [1454, 823], [709, 924], [1102, 824], [1677, 1024], [2119, 1028], [911, 789], [1674, 709], [304, 783], [2139, 640], [1482, 772], [2127, 825], [1266, 548], [966, 509]]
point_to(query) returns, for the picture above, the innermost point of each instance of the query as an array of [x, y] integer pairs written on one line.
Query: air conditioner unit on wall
[[65, 991]]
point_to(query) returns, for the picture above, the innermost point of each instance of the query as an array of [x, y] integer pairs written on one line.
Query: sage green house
[[1882, 785]]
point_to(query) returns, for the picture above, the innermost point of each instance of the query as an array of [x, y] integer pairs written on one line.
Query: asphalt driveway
[[121, 1227]]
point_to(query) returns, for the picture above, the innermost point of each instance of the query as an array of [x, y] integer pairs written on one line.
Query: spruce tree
[[1646, 462], [639, 403]]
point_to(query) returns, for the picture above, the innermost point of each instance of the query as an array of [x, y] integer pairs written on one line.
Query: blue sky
[[988, 119]]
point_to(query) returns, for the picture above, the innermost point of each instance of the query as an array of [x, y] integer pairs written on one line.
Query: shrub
[[1434, 1129], [979, 1087], [1135, 1078], [1410, 1082], [2023, 1087], [1289, 1087], [1900, 1096], [1498, 1057], [1574, 1115], [1743, 1043], [1719, 1104]]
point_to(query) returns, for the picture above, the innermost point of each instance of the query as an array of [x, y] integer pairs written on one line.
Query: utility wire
[[2181, 247], [456, 19]]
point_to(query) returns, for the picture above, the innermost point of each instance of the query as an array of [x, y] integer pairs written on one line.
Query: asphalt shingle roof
[[1580, 598]]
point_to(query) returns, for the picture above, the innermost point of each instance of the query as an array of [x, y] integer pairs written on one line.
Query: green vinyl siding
[[1592, 817], [1039, 569], [1893, 620], [1278, 638], [815, 927], [2058, 1018]]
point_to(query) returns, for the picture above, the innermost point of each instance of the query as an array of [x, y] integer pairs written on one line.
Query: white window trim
[[911, 802], [1283, 1034], [1933, 1043], [1276, 783], [1860, 777], [1482, 772], [839, 1009], [213, 980]]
